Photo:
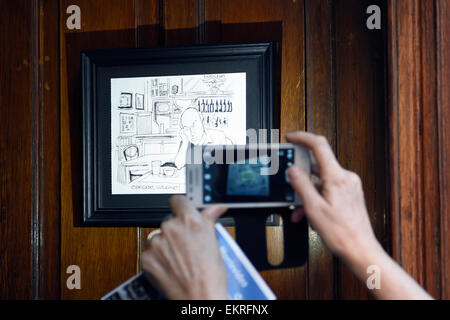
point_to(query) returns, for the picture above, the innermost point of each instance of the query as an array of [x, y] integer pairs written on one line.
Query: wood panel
[[345, 103], [149, 24], [418, 80], [320, 119], [430, 158], [47, 151], [16, 159], [180, 22], [360, 115], [106, 256], [443, 87]]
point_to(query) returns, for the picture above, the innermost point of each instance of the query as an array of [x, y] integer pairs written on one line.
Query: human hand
[[184, 258], [340, 216], [339, 212]]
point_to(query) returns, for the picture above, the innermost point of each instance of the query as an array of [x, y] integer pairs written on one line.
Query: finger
[[174, 233], [321, 149], [152, 265], [298, 214], [211, 214], [160, 249], [181, 207], [151, 235], [155, 272], [311, 199]]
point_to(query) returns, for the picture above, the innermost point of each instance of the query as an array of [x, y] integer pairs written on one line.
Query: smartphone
[[244, 176]]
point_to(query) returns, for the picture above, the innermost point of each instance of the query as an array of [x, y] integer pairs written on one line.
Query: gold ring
[[151, 235]]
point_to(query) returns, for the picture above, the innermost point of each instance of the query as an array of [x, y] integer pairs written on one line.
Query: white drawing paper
[[153, 120]]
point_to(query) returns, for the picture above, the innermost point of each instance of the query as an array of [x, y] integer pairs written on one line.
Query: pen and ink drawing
[[127, 123], [126, 100], [139, 101], [149, 138]]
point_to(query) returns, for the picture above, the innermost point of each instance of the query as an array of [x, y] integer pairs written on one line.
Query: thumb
[[211, 214], [303, 185]]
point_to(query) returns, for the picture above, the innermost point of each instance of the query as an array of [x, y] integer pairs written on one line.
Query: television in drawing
[[154, 119]]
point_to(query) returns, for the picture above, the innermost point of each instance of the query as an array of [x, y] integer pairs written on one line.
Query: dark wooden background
[[334, 77]]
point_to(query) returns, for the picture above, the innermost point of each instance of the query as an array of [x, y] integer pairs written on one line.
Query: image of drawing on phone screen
[[245, 176]]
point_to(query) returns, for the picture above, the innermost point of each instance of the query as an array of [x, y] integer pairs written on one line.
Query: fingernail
[[294, 171]]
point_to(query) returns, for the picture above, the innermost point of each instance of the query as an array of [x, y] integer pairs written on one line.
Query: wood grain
[[149, 24], [359, 103], [180, 22], [16, 160], [48, 143], [403, 131], [418, 80], [430, 158], [106, 256], [321, 119], [443, 88], [409, 141]]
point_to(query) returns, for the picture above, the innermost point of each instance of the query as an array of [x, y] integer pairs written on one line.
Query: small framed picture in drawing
[[139, 101], [143, 106], [126, 100]]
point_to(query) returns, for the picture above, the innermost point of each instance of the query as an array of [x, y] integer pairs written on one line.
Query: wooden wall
[[16, 158], [419, 82], [330, 80]]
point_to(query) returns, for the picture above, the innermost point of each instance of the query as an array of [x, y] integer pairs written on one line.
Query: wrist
[[363, 254]]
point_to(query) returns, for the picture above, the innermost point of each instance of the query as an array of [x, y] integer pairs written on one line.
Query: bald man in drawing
[[193, 131]]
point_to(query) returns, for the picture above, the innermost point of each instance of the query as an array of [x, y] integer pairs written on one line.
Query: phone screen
[[247, 179]]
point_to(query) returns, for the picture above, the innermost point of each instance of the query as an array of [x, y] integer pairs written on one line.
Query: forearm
[[340, 216], [395, 283]]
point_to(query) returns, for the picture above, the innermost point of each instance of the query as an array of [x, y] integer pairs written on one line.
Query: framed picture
[[134, 154], [127, 123], [139, 101], [126, 100]]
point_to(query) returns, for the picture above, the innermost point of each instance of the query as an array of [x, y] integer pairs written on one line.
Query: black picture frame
[[100, 207]]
